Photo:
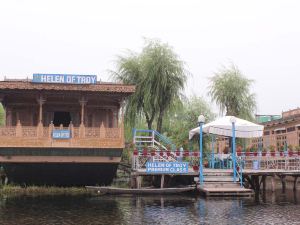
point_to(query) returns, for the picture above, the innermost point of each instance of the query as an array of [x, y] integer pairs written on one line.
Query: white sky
[[84, 37]]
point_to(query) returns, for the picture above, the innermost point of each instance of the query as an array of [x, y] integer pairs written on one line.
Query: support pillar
[[82, 127], [162, 181], [283, 182], [273, 183], [264, 183], [8, 117], [139, 182], [295, 183]]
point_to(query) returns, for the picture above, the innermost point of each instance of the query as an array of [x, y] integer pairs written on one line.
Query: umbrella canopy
[[223, 127]]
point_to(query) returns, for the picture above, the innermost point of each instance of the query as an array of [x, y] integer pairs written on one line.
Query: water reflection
[[274, 208]]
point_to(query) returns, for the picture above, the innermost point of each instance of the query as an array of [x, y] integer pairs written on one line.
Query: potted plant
[[161, 153], [291, 149], [168, 150], [272, 150], [297, 149], [239, 150], [153, 152], [195, 167], [145, 150], [135, 152], [264, 152], [186, 153], [248, 151], [254, 150], [281, 149]]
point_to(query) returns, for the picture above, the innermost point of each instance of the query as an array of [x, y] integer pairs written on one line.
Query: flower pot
[[186, 153], [263, 153], [281, 153], [196, 168], [196, 154], [239, 153], [272, 153], [291, 153], [168, 153], [152, 153], [177, 153], [299, 153], [145, 152], [248, 153], [135, 152], [255, 153], [161, 153]]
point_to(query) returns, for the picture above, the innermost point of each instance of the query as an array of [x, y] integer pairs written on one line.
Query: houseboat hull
[[60, 166]]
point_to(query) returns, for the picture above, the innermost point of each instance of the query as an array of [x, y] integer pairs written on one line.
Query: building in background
[[279, 130]]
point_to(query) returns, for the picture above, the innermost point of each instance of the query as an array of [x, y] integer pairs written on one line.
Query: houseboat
[[64, 130]]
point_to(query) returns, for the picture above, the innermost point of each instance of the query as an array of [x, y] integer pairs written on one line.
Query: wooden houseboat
[[64, 130]]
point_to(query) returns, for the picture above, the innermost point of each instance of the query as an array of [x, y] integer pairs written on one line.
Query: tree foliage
[[159, 76], [2, 115], [230, 90], [184, 117]]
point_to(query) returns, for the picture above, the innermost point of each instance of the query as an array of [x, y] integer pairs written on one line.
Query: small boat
[[142, 191]]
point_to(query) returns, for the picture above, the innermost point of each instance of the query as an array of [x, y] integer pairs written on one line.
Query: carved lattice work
[[92, 132], [112, 133], [29, 131], [8, 131]]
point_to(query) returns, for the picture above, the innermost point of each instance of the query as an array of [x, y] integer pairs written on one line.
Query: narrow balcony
[[57, 137]]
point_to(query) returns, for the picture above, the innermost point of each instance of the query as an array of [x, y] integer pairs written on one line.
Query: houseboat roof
[[102, 87]]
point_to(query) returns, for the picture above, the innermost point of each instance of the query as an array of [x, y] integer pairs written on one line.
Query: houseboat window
[[63, 118]]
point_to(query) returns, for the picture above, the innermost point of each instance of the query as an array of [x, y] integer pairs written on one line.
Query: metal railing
[[152, 138]]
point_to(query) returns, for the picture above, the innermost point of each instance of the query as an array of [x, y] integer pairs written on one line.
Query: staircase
[[219, 183]]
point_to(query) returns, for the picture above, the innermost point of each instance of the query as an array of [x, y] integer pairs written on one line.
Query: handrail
[[239, 164], [157, 140]]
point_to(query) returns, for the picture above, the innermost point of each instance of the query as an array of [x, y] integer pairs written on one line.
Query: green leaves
[[230, 90], [2, 115], [159, 76]]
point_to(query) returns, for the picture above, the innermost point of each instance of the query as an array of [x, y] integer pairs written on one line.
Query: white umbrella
[[223, 127]]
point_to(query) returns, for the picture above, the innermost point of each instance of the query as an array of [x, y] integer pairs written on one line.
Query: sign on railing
[[167, 167], [64, 78], [61, 134]]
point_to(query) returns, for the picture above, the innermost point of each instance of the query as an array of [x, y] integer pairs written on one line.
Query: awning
[[223, 127]]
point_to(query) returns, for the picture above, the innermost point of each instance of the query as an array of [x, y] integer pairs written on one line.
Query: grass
[[41, 190]]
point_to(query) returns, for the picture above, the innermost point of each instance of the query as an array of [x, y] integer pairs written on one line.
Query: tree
[[184, 117], [159, 76], [230, 90], [2, 115]]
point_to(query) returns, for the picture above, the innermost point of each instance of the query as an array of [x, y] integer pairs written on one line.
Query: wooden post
[[295, 183], [283, 182], [273, 183], [139, 182], [81, 126], [162, 181], [19, 129], [102, 131], [8, 117], [264, 183]]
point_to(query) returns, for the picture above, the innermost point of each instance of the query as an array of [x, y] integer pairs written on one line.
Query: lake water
[[180, 209]]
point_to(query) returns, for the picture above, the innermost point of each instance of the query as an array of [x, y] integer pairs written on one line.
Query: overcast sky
[[84, 37]]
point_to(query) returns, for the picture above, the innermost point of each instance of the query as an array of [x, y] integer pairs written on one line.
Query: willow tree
[[2, 115], [230, 90], [159, 76]]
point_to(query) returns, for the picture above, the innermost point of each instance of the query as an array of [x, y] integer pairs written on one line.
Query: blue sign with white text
[[64, 78], [167, 167], [61, 134]]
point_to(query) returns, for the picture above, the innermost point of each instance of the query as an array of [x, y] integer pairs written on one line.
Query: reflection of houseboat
[[60, 132]]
